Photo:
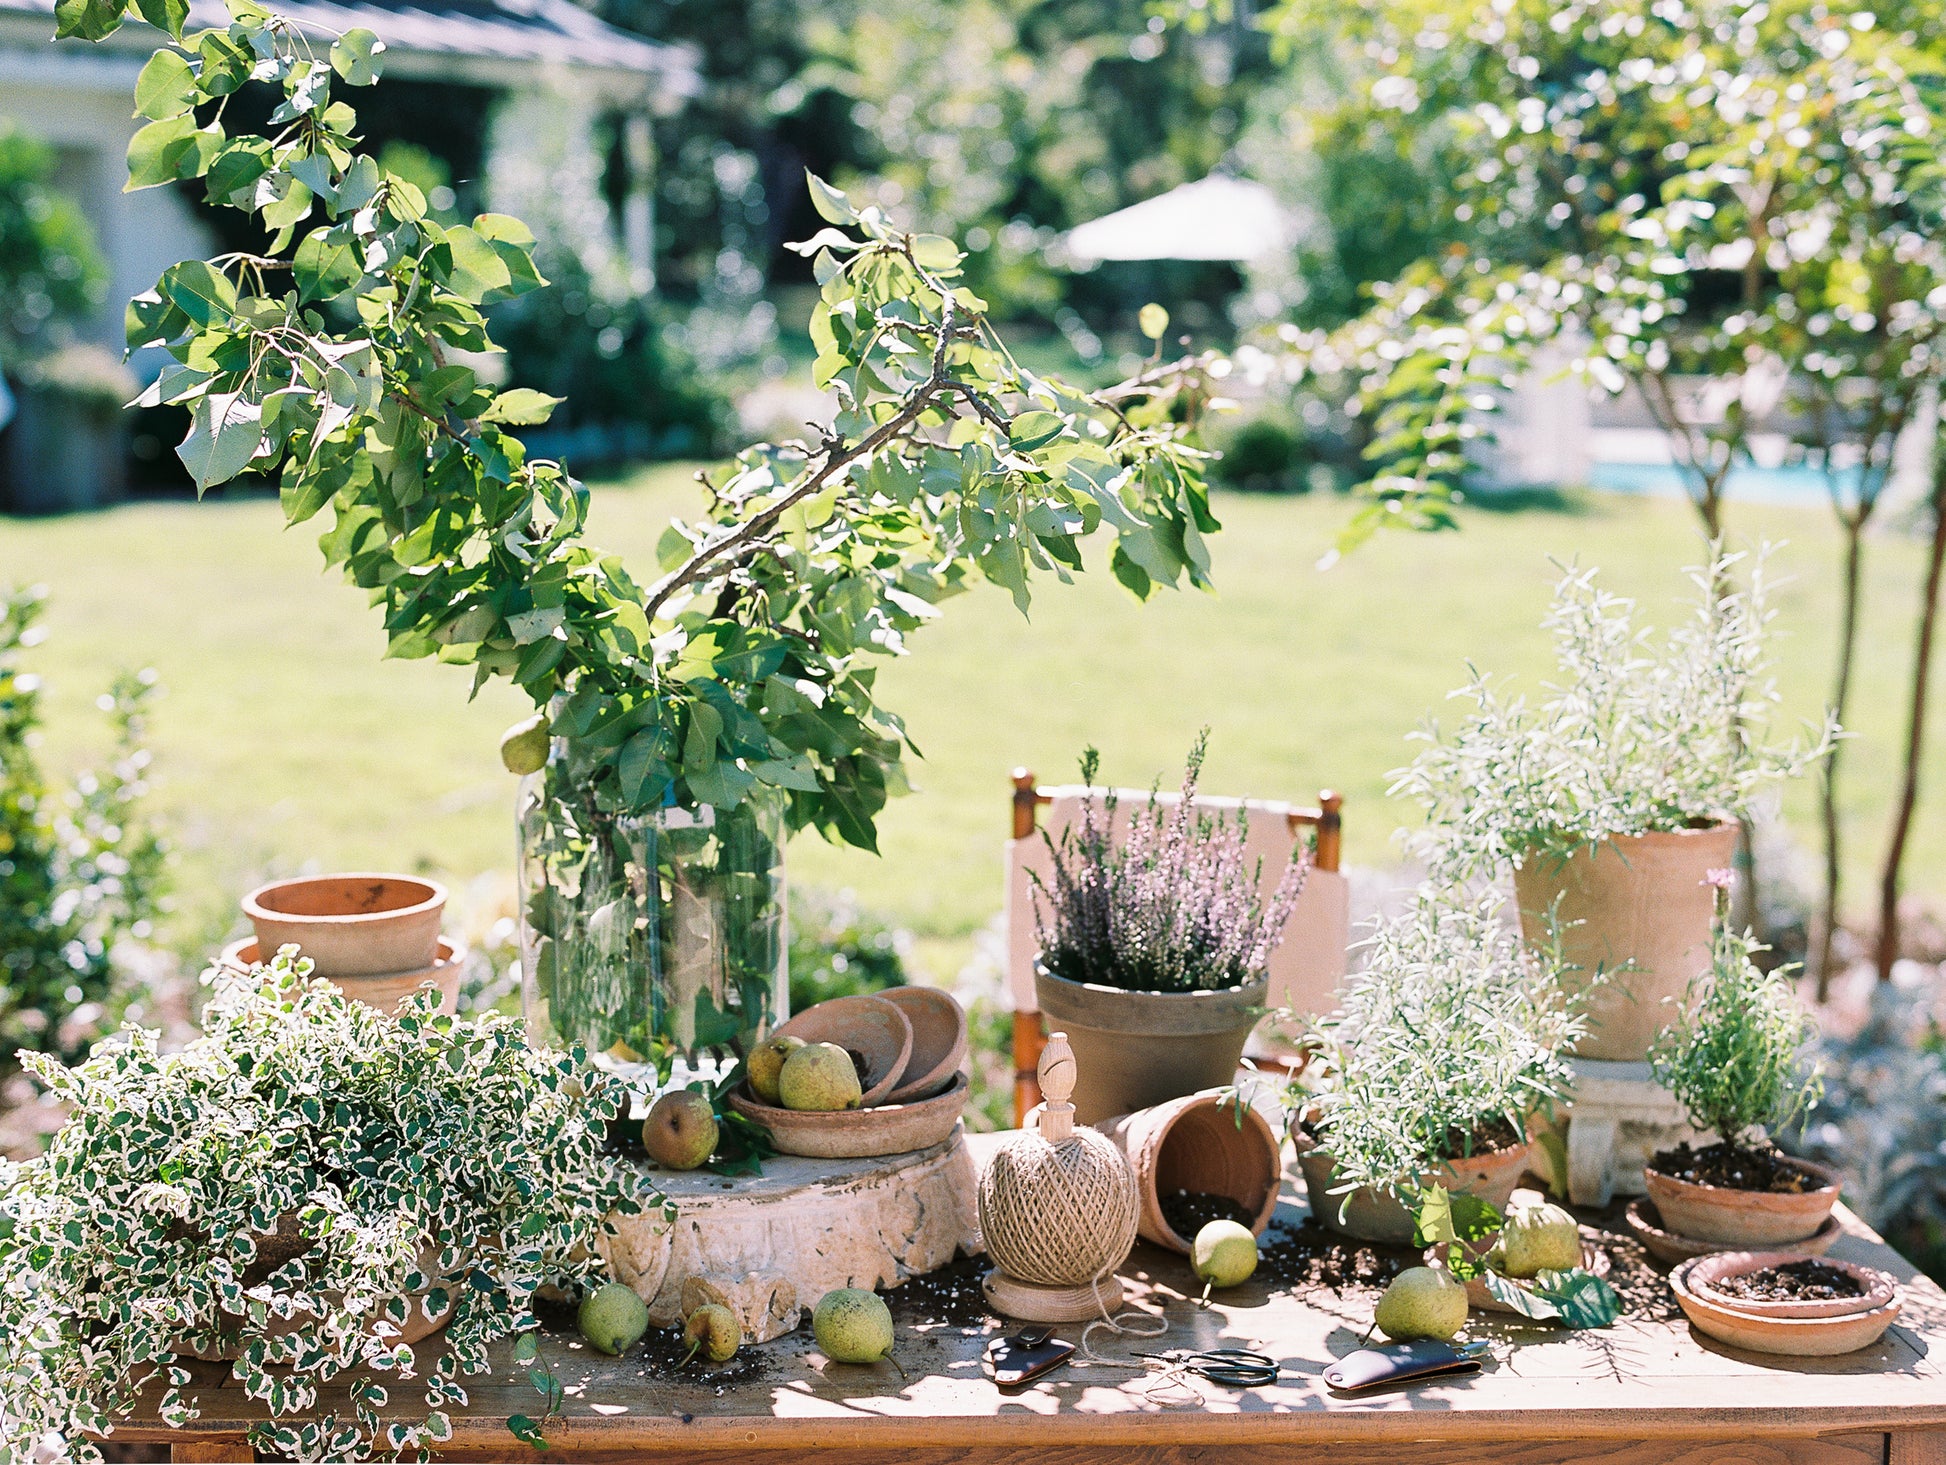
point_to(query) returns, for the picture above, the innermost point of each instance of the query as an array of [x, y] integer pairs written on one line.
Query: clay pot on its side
[[1199, 1144], [1134, 1050], [1636, 899], [351, 925], [1750, 1219], [1378, 1215]]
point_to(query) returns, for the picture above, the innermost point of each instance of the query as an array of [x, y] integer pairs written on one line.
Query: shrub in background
[[78, 872], [840, 949]]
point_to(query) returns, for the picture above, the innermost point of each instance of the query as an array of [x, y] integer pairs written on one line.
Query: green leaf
[[1582, 1299], [832, 206], [91, 20], [326, 263], [157, 150], [1031, 430], [526, 1431], [935, 252], [166, 88], [200, 290], [521, 407], [165, 15], [477, 269], [223, 438], [355, 56]]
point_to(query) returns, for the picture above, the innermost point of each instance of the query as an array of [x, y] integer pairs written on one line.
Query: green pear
[[612, 1318], [1224, 1253], [713, 1331], [766, 1064], [853, 1325], [1539, 1238], [680, 1132], [524, 746], [819, 1077], [1422, 1302]]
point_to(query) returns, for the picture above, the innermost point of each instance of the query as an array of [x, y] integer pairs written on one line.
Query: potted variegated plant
[[303, 1191]]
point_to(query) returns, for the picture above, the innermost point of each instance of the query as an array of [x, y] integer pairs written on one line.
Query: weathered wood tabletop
[[1647, 1389]]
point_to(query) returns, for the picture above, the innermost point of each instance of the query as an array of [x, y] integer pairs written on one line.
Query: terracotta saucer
[[872, 1029], [1704, 1277], [384, 991], [1645, 1224], [938, 1041], [1796, 1337], [858, 1134]]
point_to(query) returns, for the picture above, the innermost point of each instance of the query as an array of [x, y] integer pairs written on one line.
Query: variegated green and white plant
[[423, 1163]]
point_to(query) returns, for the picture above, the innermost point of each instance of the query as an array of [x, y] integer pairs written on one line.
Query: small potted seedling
[[1735, 1059], [1445, 1047]]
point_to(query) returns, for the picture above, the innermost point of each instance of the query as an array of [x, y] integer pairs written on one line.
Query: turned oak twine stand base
[[1648, 1389]]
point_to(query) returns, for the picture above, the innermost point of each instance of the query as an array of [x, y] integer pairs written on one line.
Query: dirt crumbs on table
[[1189, 1211], [1312, 1255], [1640, 1284], [1736, 1168], [1800, 1281], [949, 1295], [662, 1350]]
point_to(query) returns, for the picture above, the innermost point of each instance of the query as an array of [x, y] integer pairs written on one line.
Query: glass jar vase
[[656, 940]]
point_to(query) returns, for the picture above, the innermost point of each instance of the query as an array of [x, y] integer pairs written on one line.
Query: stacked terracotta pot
[[1839, 1306], [374, 937]]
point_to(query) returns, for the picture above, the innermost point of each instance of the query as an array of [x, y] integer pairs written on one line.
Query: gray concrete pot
[[1134, 1050]]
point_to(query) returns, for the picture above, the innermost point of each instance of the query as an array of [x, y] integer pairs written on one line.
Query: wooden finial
[[1057, 1084]]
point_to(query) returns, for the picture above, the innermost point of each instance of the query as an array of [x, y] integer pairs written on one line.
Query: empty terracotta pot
[[384, 991], [938, 1041], [351, 925], [1134, 1050], [1744, 1218], [1199, 1144], [1378, 1215], [1636, 902]]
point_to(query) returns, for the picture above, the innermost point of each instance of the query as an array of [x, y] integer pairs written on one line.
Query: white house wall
[[79, 104]]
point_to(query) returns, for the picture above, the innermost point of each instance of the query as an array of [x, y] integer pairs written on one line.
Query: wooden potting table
[[1647, 1389]]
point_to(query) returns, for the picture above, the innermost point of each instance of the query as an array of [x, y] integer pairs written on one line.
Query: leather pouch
[[1369, 1368], [1011, 1362]]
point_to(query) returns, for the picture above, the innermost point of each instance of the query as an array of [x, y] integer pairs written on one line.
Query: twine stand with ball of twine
[[1058, 1208]]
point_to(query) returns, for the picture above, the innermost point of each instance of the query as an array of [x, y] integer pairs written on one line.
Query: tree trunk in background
[[1827, 928], [1888, 896]]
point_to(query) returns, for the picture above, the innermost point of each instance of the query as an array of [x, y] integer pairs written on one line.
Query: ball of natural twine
[[1059, 1214]]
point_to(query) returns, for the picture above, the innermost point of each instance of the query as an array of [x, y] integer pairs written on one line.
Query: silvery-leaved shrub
[[1633, 738], [1448, 1042], [1174, 907], [409, 1164]]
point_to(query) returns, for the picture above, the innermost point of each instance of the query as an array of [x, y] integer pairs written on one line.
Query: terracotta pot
[[1705, 1277], [386, 991], [939, 1041], [1378, 1215], [1797, 1337], [1743, 1218], [1645, 1221], [1635, 901], [1134, 1050], [858, 1134], [351, 925], [1199, 1144]]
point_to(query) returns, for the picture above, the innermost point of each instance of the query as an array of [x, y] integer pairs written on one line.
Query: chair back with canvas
[[1305, 970]]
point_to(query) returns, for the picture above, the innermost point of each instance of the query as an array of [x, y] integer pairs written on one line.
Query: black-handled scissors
[[1234, 1367]]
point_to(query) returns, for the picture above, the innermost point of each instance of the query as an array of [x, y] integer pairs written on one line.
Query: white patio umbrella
[[1214, 218]]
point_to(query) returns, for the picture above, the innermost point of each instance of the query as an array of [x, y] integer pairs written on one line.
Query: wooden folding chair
[[1307, 966]]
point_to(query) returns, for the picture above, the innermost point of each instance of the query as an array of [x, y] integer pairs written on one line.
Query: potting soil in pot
[[1189, 1211], [1735, 1168], [1809, 1280]]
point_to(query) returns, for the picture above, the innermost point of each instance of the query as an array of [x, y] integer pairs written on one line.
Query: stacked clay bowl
[[907, 1044], [1812, 1327]]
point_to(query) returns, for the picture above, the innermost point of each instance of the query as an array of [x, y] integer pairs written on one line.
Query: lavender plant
[[1633, 738], [1175, 907]]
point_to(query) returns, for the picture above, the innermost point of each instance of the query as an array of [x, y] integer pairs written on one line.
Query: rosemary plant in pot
[[1612, 799], [1154, 945], [304, 1191], [1447, 1044], [1736, 1058], [689, 722]]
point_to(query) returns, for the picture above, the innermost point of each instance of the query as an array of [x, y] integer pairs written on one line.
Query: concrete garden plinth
[[768, 1245]]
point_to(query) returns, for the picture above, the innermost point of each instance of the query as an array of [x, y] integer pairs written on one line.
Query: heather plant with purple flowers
[[1175, 907]]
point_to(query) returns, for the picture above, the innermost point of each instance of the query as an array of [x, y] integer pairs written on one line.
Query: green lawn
[[285, 740]]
